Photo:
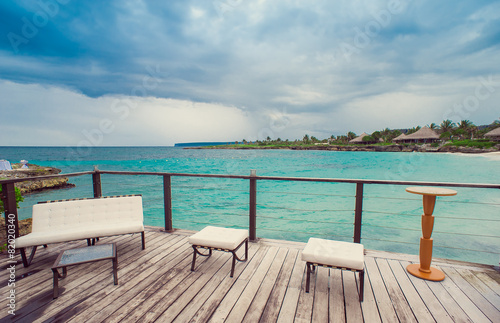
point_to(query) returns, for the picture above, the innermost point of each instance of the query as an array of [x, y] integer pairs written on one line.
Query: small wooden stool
[[334, 254], [217, 238]]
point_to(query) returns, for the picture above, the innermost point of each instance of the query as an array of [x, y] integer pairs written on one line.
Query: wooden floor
[[156, 284]]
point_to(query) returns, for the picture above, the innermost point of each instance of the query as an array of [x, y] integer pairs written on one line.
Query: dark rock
[[448, 149]]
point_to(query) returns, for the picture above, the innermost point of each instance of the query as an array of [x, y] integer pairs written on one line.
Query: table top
[[86, 254], [431, 190]]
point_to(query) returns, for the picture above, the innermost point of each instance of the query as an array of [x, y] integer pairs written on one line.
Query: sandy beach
[[492, 155]]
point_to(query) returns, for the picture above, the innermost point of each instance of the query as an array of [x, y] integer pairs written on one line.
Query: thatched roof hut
[[359, 139], [401, 137], [425, 134], [493, 134]]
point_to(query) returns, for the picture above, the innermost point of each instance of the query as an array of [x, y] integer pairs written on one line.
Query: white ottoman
[[334, 254], [224, 239]]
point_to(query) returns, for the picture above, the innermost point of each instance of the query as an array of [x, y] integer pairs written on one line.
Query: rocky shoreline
[[37, 185], [377, 148]]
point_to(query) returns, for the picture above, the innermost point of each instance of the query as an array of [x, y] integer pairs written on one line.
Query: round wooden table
[[424, 269]]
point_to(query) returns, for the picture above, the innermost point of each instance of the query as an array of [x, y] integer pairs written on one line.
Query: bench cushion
[[217, 237], [78, 233], [334, 253]]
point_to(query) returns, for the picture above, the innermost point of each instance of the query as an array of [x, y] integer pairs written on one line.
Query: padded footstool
[[217, 238], [335, 254]]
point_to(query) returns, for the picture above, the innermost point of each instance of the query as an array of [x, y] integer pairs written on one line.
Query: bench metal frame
[[233, 251]]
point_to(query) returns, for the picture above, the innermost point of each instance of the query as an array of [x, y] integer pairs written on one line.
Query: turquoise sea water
[[296, 210]]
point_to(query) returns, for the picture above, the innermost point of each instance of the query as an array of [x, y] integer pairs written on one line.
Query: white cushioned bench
[[68, 220], [217, 238], [334, 254]]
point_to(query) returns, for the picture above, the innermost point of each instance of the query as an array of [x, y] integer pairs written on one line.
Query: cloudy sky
[[160, 72]]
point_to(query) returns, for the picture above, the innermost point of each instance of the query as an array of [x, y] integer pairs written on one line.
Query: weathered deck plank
[[276, 300], [476, 297], [337, 305], [157, 284], [414, 300], [292, 293], [384, 303], [262, 296], [428, 298], [320, 306], [206, 310]]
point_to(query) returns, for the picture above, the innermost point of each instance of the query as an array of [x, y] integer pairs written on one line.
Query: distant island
[[201, 144]]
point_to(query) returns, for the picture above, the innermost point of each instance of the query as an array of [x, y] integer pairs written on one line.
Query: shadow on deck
[[157, 284]]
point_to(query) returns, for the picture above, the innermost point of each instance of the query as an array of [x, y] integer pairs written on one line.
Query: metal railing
[[8, 195]]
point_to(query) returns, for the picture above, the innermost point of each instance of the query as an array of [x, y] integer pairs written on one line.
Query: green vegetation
[[480, 143], [19, 198]]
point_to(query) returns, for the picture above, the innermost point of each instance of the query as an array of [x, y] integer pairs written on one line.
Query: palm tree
[[447, 126], [433, 126], [412, 130], [393, 134], [376, 135], [386, 134], [464, 124], [342, 139], [306, 139], [467, 127], [351, 135]]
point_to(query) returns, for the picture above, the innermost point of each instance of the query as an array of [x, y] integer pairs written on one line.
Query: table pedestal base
[[434, 274]]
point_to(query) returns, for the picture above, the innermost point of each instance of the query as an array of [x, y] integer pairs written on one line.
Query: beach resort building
[[423, 135], [493, 134], [399, 138], [359, 139]]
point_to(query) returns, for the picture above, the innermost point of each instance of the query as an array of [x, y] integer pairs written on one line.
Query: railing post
[[10, 208], [253, 207], [358, 212], [96, 181], [167, 200]]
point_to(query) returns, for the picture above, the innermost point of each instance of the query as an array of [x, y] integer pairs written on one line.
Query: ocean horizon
[[466, 226]]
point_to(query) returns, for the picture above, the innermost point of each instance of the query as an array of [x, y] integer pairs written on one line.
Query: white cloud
[[221, 75], [61, 117]]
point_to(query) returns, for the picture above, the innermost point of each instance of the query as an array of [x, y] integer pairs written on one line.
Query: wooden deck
[[156, 284]]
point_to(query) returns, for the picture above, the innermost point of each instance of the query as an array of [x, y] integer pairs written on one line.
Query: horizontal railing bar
[[441, 216], [303, 220], [307, 210], [417, 199], [207, 223], [441, 232], [174, 174], [303, 232], [300, 193], [38, 178], [386, 182], [311, 179], [270, 178]]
